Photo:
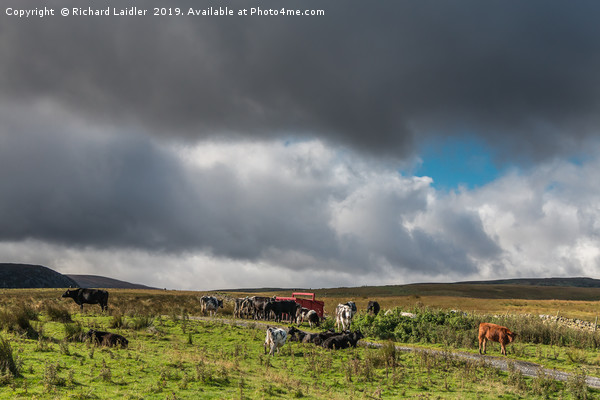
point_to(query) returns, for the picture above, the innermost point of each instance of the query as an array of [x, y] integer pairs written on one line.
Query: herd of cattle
[[269, 308]]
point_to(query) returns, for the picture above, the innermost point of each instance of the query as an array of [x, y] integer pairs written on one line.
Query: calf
[[88, 296], [374, 307], [210, 304], [275, 339], [106, 338], [495, 333]]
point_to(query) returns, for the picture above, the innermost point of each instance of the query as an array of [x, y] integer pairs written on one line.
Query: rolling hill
[[17, 276], [26, 276], [95, 281]]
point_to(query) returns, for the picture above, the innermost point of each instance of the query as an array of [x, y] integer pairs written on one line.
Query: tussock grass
[[8, 364], [57, 313], [18, 319]]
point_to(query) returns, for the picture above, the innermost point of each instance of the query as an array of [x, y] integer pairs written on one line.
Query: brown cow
[[495, 333]]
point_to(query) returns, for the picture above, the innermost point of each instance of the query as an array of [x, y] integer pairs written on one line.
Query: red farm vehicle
[[311, 303]]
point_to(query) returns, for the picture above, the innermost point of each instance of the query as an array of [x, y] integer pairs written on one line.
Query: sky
[[381, 143]]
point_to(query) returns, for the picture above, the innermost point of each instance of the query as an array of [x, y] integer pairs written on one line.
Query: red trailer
[[311, 303]]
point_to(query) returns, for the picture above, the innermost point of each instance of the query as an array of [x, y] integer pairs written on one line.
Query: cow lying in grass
[[342, 341], [495, 333], [318, 338], [106, 338]]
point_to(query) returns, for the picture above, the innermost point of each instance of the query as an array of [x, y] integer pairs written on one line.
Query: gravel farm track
[[527, 368]]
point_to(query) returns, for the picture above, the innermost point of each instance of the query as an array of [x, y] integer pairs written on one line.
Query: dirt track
[[527, 368]]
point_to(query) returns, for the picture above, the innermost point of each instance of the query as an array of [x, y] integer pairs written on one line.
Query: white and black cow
[[352, 306], [88, 296], [311, 317], [210, 304], [275, 339], [343, 317]]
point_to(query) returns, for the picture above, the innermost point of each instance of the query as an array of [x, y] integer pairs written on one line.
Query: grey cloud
[[373, 76]]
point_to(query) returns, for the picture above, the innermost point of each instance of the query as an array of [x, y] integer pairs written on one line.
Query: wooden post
[[596, 324]]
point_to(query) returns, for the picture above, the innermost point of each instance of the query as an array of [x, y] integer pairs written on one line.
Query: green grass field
[[171, 355]]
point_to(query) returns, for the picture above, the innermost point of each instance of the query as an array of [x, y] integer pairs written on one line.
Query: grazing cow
[[210, 304], [106, 338], [495, 333], [313, 318], [374, 307], [343, 317], [88, 296], [342, 341], [275, 339]]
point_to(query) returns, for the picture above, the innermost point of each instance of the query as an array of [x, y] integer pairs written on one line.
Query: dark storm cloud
[[82, 187], [371, 75]]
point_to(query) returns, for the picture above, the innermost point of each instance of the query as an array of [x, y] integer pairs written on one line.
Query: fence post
[[596, 324]]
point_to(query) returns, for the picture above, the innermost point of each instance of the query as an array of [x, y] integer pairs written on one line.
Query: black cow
[[342, 341], [279, 308], [88, 296], [106, 338], [373, 306]]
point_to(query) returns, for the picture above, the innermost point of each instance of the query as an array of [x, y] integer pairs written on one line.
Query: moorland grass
[[173, 355]]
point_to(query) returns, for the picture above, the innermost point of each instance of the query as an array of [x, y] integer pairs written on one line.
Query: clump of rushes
[[57, 313], [7, 360]]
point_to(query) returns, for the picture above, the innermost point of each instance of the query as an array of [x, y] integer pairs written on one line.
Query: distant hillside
[[534, 289], [568, 282], [95, 281], [586, 289], [21, 276]]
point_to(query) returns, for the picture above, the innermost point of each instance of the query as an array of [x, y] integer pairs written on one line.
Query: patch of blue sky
[[454, 163]]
